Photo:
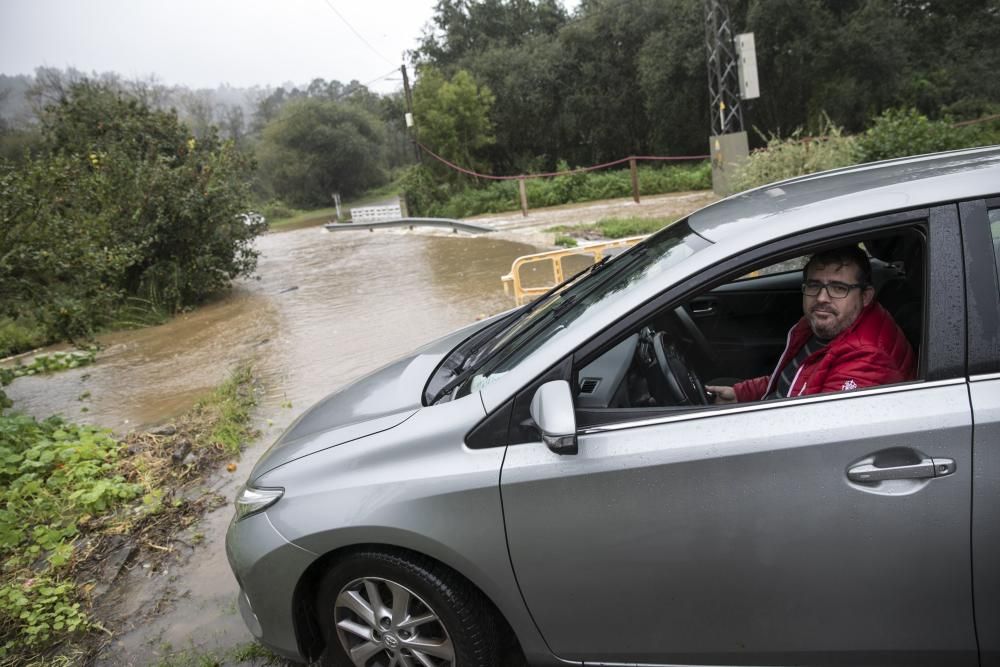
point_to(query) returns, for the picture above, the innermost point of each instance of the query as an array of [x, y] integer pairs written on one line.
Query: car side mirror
[[554, 416]]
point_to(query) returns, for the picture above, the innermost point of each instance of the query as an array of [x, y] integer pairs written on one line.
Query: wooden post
[[524, 196], [635, 179]]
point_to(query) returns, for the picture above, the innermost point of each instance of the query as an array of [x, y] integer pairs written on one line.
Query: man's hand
[[722, 394]]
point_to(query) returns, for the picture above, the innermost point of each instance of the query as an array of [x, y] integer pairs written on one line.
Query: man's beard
[[828, 328]]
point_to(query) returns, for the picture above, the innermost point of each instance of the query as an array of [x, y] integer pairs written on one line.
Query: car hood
[[376, 402]]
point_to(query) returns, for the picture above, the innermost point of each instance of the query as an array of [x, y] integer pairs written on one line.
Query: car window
[[565, 308], [736, 332]]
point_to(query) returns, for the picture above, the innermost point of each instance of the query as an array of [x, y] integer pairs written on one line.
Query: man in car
[[844, 341]]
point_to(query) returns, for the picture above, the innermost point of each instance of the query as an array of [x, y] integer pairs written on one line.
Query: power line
[[356, 33]]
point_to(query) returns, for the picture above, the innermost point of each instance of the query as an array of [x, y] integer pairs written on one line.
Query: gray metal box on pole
[[746, 65]]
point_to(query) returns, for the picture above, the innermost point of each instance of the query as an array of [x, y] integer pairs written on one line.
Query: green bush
[[277, 209], [21, 334], [903, 132], [122, 202], [795, 156], [427, 196]]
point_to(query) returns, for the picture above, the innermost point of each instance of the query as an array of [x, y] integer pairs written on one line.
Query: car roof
[[841, 194]]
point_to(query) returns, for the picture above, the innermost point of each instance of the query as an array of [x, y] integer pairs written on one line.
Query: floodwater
[[325, 309]]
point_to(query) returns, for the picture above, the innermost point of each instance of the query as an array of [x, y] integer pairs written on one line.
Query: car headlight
[[250, 500]]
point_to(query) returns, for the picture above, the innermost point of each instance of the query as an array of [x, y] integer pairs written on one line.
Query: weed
[[228, 408], [611, 228], [67, 491], [565, 241], [796, 156], [53, 476]]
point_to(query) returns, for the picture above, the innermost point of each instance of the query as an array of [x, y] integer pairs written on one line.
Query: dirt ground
[[531, 228]]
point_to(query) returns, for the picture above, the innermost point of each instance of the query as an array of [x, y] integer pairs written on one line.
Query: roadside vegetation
[[425, 195], [282, 217], [894, 133], [569, 236], [73, 497], [119, 209]]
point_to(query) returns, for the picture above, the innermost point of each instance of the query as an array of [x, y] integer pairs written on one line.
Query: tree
[[466, 27], [317, 147], [452, 117], [121, 201]]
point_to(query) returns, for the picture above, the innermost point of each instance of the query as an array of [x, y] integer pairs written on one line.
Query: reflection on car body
[[535, 483]]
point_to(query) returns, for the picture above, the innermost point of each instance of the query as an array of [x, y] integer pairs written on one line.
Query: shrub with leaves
[[903, 132], [53, 475], [121, 202], [796, 156], [427, 196]]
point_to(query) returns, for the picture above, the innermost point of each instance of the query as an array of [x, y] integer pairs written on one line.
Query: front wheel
[[384, 609]]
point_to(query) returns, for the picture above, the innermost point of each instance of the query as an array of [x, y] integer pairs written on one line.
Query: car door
[[733, 535], [981, 237]]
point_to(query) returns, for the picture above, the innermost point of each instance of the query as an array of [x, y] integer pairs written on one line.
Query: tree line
[[619, 77], [520, 86], [111, 193]]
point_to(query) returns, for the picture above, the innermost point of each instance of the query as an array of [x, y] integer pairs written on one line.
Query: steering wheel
[[693, 331], [684, 385]]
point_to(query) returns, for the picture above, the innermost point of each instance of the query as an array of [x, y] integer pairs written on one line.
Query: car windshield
[[571, 301]]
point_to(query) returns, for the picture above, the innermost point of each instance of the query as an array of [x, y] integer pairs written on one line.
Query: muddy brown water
[[325, 309]]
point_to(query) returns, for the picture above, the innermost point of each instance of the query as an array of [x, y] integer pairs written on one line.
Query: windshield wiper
[[473, 364]]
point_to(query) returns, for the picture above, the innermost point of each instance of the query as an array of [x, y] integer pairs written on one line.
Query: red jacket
[[870, 352]]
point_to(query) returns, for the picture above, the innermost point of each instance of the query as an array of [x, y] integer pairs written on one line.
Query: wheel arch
[[305, 616]]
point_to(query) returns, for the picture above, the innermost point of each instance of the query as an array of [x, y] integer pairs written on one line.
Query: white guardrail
[[376, 213]]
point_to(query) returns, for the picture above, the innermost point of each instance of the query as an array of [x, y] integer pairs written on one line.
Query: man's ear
[[867, 295]]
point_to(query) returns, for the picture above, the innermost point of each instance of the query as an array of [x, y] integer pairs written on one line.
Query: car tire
[[378, 608]]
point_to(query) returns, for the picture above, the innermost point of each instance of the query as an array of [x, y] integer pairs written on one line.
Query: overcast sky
[[204, 43]]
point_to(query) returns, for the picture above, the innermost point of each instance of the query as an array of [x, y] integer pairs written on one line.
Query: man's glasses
[[836, 290]]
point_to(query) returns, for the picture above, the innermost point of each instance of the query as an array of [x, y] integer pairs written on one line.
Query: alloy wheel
[[381, 623]]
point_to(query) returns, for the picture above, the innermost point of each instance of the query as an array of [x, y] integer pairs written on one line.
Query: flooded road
[[325, 309], [361, 299]]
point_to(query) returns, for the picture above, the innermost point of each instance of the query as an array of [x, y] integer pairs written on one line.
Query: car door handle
[[867, 472], [702, 308]]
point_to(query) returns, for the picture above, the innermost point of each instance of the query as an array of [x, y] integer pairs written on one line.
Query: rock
[[112, 565], [190, 459], [182, 452], [166, 429]]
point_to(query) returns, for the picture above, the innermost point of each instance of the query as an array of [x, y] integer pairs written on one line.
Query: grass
[[298, 218], [228, 410], [501, 196], [250, 652], [70, 494], [609, 228]]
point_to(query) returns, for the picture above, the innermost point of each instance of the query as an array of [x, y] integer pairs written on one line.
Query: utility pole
[[409, 113], [723, 83], [732, 77]]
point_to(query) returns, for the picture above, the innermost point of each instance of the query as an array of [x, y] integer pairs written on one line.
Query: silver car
[[553, 485]]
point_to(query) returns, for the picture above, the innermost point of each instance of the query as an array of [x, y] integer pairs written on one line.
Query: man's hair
[[842, 256]]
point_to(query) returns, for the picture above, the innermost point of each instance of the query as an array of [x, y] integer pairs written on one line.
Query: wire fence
[[631, 160]]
